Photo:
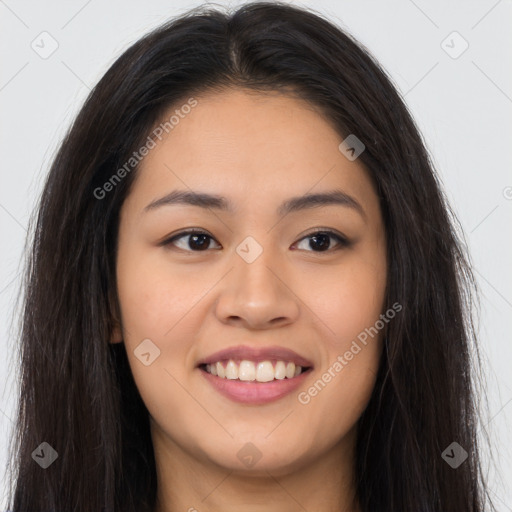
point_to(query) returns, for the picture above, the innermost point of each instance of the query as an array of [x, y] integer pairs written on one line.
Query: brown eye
[[321, 241], [197, 241]]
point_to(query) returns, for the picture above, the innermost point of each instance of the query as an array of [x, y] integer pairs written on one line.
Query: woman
[[245, 290]]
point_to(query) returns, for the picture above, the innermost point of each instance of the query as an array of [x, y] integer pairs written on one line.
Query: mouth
[[251, 371], [254, 383], [255, 376]]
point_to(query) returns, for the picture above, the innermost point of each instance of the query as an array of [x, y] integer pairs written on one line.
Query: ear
[[116, 335]]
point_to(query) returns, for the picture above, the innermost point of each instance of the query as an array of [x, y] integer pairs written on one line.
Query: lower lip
[[253, 392]]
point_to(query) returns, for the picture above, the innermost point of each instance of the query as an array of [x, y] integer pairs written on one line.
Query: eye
[[197, 241], [320, 241]]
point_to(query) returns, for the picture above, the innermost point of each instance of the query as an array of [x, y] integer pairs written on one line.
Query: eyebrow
[[294, 204]]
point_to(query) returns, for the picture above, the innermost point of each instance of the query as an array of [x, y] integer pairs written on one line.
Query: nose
[[258, 295]]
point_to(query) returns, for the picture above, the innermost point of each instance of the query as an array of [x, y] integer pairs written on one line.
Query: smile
[[255, 383], [250, 371]]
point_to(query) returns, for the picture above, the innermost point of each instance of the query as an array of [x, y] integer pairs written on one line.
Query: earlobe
[[117, 335]]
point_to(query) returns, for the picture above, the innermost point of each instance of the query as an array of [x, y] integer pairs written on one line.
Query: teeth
[[231, 370], [221, 372], [246, 371], [264, 371], [280, 370]]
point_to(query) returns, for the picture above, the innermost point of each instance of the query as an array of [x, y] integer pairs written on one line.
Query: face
[[268, 281]]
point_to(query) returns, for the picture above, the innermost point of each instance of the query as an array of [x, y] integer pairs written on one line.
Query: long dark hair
[[76, 390]]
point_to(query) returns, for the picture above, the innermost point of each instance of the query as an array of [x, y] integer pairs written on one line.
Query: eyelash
[[342, 241]]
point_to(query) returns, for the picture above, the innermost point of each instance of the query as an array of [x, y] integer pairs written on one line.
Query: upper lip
[[257, 354]]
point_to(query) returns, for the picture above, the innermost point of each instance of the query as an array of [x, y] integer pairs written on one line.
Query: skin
[[257, 150]]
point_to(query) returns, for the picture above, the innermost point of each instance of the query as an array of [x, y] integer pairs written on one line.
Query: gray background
[[462, 105]]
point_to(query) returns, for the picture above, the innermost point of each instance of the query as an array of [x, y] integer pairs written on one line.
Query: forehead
[[250, 146]]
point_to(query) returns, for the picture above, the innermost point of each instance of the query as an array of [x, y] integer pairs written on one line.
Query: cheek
[[157, 306], [336, 400], [349, 303], [347, 300], [153, 299], [346, 379]]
